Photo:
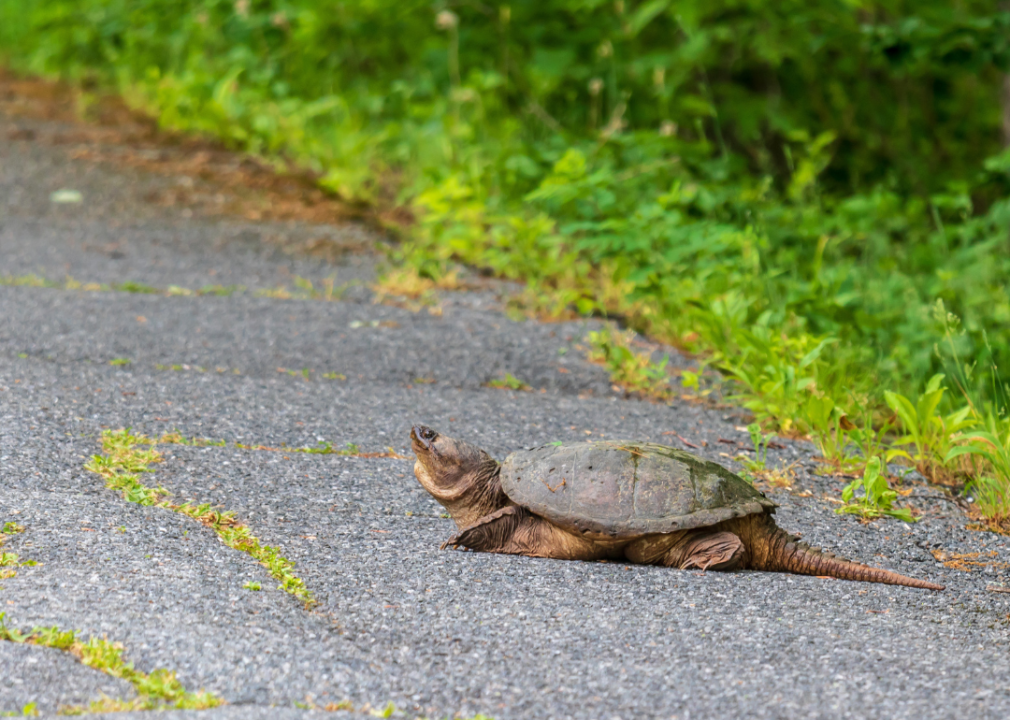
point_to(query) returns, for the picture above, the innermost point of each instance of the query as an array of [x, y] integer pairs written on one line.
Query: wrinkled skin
[[461, 476], [465, 480]]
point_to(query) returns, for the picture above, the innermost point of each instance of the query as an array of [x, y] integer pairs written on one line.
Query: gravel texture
[[435, 632]]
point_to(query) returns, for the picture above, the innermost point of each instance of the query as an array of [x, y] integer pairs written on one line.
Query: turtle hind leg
[[516, 531], [704, 549], [708, 551]]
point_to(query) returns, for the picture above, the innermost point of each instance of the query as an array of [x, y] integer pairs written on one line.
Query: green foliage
[[760, 442], [755, 468], [326, 448], [930, 434], [633, 371], [136, 287], [28, 710], [509, 382], [877, 498], [991, 486]]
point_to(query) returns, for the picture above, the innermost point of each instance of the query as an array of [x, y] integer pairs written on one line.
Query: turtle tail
[[783, 552]]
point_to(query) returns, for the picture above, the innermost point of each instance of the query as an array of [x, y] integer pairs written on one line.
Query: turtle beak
[[421, 438]]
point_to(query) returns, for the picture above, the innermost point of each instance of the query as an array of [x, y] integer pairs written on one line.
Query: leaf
[[816, 352], [904, 410], [896, 452], [926, 409], [902, 514], [644, 15], [872, 480], [934, 383]]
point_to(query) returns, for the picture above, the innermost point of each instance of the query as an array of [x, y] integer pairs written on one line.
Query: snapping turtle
[[619, 500]]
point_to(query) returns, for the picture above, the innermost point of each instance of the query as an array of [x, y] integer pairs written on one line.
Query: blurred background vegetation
[[813, 195]]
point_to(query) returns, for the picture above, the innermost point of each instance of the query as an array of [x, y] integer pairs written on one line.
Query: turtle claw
[[453, 541]]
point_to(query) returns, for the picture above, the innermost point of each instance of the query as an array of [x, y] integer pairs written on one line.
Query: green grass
[[127, 456], [10, 561], [508, 382], [157, 690], [303, 288]]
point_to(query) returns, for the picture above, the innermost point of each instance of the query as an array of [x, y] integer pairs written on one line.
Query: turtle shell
[[625, 489]]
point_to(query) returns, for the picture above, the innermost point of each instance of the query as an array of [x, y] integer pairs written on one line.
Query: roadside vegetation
[[811, 197]]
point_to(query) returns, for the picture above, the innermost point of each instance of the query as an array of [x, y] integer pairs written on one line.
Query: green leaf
[[644, 15], [904, 410], [816, 352]]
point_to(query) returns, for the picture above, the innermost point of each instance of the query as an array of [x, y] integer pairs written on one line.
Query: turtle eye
[[428, 434]]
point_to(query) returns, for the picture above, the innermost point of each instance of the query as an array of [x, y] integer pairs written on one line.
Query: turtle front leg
[[514, 530]]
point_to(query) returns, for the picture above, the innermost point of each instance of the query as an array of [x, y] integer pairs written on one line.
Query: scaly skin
[[771, 548]]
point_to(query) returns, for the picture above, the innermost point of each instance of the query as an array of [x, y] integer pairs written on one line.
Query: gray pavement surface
[[437, 633]]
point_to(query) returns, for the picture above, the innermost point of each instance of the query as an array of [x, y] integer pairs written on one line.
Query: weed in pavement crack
[[128, 455], [8, 560], [157, 690]]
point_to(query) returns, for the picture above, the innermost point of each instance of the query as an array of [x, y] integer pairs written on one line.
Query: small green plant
[[9, 561], [278, 293], [635, 372], [990, 448], [177, 438], [830, 428], [218, 290], [255, 586], [29, 710], [121, 466], [877, 498], [118, 362], [870, 439], [328, 292], [334, 376], [756, 464], [755, 468], [931, 435], [27, 281], [159, 689], [760, 442], [136, 287], [509, 382]]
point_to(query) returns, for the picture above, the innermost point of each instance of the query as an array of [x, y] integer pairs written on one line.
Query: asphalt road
[[437, 633]]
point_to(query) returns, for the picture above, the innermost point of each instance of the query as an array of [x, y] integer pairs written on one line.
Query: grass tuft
[[9, 561], [157, 690], [128, 455], [509, 382]]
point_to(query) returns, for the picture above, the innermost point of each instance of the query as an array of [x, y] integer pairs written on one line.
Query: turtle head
[[455, 472]]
